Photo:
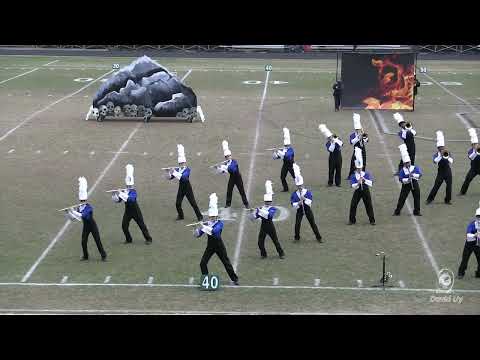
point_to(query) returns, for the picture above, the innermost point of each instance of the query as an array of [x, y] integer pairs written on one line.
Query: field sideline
[[45, 144]]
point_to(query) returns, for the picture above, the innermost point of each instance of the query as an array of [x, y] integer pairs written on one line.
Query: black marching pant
[[438, 182], [335, 167], [91, 227], [287, 167], [337, 102], [310, 218], [470, 246], [267, 228], [186, 190], [406, 188], [352, 162], [138, 217], [219, 249], [232, 181], [364, 195], [468, 179]]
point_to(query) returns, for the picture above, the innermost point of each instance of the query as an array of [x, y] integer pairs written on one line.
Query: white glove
[[207, 229], [74, 215], [177, 174], [123, 195], [115, 197], [223, 168], [263, 213]]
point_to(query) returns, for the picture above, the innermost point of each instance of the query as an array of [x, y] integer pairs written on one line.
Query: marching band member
[[182, 174], [84, 213], [213, 228], [231, 166], [302, 201], [287, 154], [472, 244], [407, 134], [443, 159], [266, 213], [361, 181], [358, 139], [474, 156], [334, 147], [132, 210], [409, 176]]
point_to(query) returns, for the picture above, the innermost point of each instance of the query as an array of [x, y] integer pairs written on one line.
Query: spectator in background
[[417, 85], [337, 94]]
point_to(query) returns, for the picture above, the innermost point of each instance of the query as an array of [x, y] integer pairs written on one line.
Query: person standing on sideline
[[337, 95]]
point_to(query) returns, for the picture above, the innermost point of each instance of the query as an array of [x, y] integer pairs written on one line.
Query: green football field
[[46, 144]]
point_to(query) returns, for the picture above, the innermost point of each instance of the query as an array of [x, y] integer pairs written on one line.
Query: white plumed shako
[[358, 158], [404, 153], [440, 138], [82, 189], [324, 130], [286, 136], [357, 125], [129, 181], [181, 154], [399, 117], [473, 136], [268, 191], [212, 206], [226, 150], [298, 175]]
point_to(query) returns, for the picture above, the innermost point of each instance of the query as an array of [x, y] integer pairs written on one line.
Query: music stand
[[385, 276]]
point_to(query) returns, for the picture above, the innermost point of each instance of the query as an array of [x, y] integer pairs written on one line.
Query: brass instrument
[[408, 125], [170, 168], [445, 154], [197, 223], [478, 150], [274, 148]]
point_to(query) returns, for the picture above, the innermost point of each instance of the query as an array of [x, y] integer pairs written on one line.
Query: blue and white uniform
[[361, 182], [472, 244], [305, 208]]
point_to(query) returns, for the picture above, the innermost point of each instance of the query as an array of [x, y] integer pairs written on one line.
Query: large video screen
[[378, 81]]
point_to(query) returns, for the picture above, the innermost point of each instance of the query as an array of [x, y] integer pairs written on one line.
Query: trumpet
[[364, 135], [116, 190], [218, 164], [478, 150], [445, 154], [70, 207], [408, 125]]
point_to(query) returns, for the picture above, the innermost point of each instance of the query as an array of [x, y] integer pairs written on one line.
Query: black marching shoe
[[372, 223], [285, 190], [396, 213], [329, 185], [296, 240], [104, 258], [263, 256], [179, 218], [127, 242], [460, 276], [477, 274], [148, 242], [319, 239], [448, 203], [417, 214], [428, 202], [351, 223], [236, 283], [84, 259], [281, 256]]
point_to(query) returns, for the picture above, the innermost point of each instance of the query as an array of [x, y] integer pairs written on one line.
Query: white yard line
[[284, 287], [451, 93], [462, 119], [9, 132], [68, 222], [186, 75], [165, 312], [51, 62], [419, 230], [23, 74], [251, 169]]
